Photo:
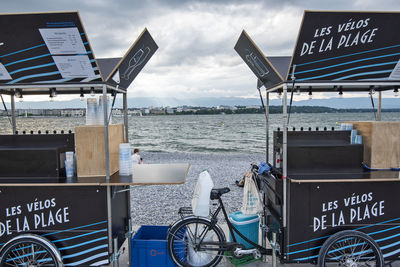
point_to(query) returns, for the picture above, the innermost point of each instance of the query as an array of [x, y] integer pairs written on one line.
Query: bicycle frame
[[233, 229]]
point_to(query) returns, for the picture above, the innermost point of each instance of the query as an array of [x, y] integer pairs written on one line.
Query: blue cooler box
[[149, 247], [247, 225]]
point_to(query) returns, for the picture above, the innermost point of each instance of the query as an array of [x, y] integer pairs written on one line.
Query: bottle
[[201, 196]]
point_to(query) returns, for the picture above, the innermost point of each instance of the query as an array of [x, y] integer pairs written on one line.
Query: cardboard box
[[90, 149], [381, 141]]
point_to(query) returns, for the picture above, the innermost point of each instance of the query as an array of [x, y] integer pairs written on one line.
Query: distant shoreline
[[192, 111]]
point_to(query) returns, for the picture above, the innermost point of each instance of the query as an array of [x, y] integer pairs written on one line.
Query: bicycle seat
[[218, 192]]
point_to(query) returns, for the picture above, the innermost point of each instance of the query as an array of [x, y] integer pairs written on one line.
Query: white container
[[69, 156], [346, 126], [201, 196], [353, 136], [125, 166], [91, 111], [100, 111], [69, 169]]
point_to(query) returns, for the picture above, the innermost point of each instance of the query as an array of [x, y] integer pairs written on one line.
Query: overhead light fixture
[[53, 93], [298, 90], [310, 92], [18, 94], [396, 91], [82, 96], [372, 90], [92, 91], [340, 92]]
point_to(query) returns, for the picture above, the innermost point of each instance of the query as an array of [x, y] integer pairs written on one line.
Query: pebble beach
[[159, 204]]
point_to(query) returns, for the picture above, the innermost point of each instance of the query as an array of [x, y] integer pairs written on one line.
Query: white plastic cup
[[69, 169], [353, 136], [125, 166], [346, 126], [100, 110], [91, 111], [69, 156]]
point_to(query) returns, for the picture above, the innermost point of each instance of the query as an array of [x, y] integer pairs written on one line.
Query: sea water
[[236, 133]]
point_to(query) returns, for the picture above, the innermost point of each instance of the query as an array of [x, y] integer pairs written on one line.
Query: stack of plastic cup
[[100, 111], [91, 111], [346, 126], [69, 164], [353, 136], [358, 139], [125, 166]]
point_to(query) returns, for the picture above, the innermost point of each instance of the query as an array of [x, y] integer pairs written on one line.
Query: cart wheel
[[30, 250], [351, 249], [185, 243]]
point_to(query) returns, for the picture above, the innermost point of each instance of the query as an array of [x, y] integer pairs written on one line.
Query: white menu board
[[74, 66], [4, 75], [395, 75], [63, 41]]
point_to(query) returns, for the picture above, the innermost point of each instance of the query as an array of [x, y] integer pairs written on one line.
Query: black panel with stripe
[[24, 53]]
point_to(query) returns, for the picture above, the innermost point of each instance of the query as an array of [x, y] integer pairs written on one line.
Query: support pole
[[125, 108], [274, 259], [267, 127], [13, 121], [378, 116], [106, 149], [264, 218], [284, 156], [107, 163]]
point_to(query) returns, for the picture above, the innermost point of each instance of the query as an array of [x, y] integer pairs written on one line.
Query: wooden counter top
[[144, 174]]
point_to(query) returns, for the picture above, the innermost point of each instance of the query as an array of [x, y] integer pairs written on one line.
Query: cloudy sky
[[195, 38]]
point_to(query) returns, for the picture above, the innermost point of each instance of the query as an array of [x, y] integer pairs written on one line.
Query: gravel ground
[[159, 204]]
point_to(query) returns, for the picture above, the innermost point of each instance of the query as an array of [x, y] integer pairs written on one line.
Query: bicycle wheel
[[30, 250], [193, 242], [350, 248]]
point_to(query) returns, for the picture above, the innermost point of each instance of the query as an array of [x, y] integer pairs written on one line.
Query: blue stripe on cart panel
[[78, 236], [348, 55], [84, 243], [356, 229], [104, 254], [84, 252]]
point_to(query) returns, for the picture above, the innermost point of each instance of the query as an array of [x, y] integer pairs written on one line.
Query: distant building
[[72, 112], [157, 111], [253, 106], [136, 112], [117, 112], [223, 107], [169, 110]]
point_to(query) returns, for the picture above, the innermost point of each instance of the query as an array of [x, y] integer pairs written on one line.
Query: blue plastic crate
[[149, 247]]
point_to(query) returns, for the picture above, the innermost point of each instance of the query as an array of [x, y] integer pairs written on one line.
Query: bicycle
[[204, 238]]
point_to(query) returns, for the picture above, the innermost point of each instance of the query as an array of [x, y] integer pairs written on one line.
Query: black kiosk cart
[[319, 197], [47, 219]]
